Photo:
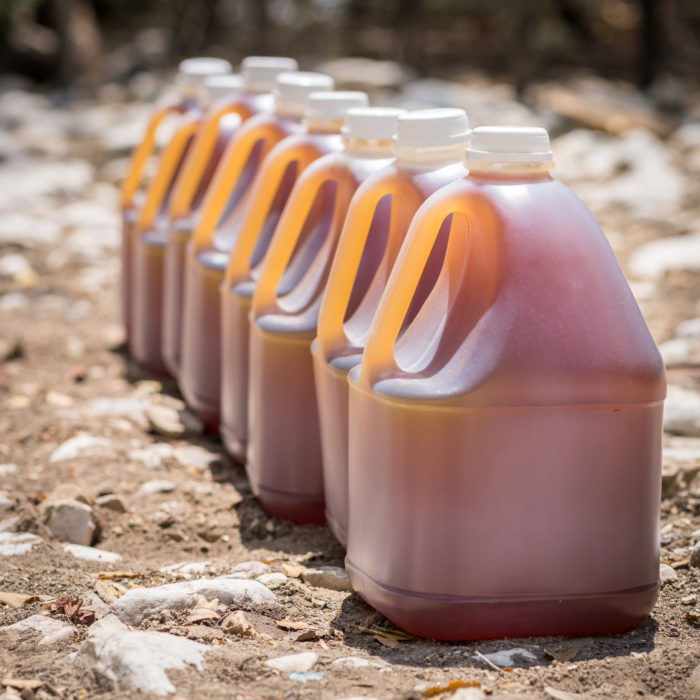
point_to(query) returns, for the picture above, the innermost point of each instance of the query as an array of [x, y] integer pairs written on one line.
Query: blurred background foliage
[[63, 41]]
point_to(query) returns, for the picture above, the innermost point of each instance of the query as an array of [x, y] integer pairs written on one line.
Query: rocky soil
[[187, 587]]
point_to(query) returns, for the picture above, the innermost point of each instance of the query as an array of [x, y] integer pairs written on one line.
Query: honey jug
[[230, 105], [216, 231], [324, 118], [505, 444], [429, 145], [183, 101], [284, 451]]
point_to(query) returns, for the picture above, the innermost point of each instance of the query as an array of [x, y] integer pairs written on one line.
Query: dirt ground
[[64, 372]]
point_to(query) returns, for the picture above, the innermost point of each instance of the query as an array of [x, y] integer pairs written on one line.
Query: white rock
[[19, 228], [332, 577], [248, 569], [153, 457], [186, 569], [71, 521], [294, 662], [695, 556], [14, 265], [15, 543], [6, 501], [510, 657], [558, 694], [137, 604], [667, 574], [109, 625], [51, 630], [360, 662], [112, 502], [468, 694], [14, 301], [79, 446], [7, 469], [9, 524], [172, 422], [273, 581], [132, 407], [150, 488], [80, 551], [654, 259], [689, 328], [679, 351], [138, 661], [194, 456], [682, 411]]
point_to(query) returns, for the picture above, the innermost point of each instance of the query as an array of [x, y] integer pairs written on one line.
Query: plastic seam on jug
[[505, 598]]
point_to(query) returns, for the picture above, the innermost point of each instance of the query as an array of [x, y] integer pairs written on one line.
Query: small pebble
[[667, 573], [695, 556]]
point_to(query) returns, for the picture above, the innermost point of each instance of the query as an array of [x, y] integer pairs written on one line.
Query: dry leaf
[[109, 591], [17, 600], [307, 636], [386, 641], [71, 608], [22, 683], [106, 575], [292, 570], [292, 625], [451, 687], [238, 623], [692, 616], [563, 656]]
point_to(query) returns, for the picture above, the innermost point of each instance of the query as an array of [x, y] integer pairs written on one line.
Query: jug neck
[[324, 125], [428, 156], [525, 170], [380, 148]]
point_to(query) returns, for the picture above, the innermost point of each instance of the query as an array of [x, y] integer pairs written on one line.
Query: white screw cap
[[430, 128], [333, 105], [293, 89], [260, 72], [194, 71], [223, 85], [510, 144], [374, 123]]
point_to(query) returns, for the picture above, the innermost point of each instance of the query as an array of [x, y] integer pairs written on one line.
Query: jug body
[[224, 117], [508, 444], [284, 450], [378, 218]]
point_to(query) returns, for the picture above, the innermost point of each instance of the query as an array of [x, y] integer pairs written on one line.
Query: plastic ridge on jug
[[430, 148], [284, 450], [184, 97], [151, 224], [325, 116], [233, 99], [216, 231], [506, 442]]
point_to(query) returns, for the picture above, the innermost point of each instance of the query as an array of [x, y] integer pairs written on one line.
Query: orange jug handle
[[167, 170], [290, 226], [353, 239], [143, 151], [378, 359], [194, 167], [262, 196], [227, 174]]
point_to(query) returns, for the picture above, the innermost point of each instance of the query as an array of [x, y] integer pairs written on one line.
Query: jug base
[[298, 508], [206, 412], [457, 618], [339, 532], [234, 445]]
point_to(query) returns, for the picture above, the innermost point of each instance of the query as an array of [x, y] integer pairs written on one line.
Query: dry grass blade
[[106, 575], [488, 661], [398, 635], [386, 641]]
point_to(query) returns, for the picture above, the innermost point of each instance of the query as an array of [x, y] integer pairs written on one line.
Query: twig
[[488, 661]]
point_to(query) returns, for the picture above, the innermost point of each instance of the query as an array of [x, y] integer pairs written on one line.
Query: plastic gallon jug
[[284, 451], [430, 148], [325, 117], [215, 234], [229, 106], [505, 445], [185, 99]]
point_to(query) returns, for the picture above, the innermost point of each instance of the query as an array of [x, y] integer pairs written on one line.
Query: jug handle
[[378, 358], [260, 201], [196, 163], [351, 245], [142, 152], [291, 224], [227, 174], [167, 168]]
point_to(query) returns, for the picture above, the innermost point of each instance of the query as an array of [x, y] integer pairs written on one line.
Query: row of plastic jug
[[438, 355]]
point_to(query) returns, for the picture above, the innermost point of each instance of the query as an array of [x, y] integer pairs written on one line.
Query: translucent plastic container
[[507, 447], [284, 450], [218, 228], [230, 104], [326, 115], [430, 147], [184, 100]]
